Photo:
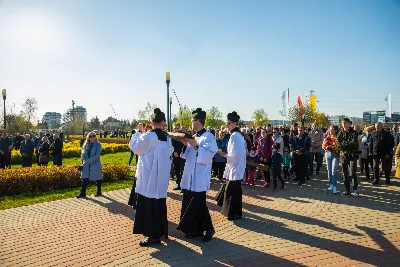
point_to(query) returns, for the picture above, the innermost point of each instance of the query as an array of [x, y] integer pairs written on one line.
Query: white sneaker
[[330, 188], [334, 190], [355, 193]]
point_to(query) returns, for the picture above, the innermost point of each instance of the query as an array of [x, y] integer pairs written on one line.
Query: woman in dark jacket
[[44, 152]]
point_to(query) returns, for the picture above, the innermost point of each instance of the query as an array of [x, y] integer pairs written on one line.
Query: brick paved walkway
[[300, 226]]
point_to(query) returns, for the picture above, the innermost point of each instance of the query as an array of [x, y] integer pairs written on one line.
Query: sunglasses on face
[[92, 136]]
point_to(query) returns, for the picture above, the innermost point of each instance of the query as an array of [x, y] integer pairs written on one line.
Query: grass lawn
[[39, 197], [117, 158]]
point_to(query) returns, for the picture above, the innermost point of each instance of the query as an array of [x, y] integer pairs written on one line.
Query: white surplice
[[236, 157], [153, 166], [197, 173]]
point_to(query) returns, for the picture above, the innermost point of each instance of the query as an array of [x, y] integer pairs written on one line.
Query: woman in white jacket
[[276, 136]]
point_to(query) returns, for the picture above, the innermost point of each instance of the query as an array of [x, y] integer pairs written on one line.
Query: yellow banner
[[313, 104]]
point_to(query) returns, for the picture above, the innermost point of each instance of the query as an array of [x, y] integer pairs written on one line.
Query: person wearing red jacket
[[264, 151]]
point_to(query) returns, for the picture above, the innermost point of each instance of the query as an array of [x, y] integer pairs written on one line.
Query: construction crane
[[113, 111]]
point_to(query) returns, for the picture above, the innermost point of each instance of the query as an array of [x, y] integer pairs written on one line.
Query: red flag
[[300, 103]]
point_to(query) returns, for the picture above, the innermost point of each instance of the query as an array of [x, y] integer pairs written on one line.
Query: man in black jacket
[[381, 148], [177, 161], [57, 150], [300, 151], [348, 146], [27, 149], [6, 146]]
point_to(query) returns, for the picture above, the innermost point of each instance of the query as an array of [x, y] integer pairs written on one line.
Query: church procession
[[149, 192]]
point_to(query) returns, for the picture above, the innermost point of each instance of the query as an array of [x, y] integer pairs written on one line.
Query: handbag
[[80, 168], [43, 157]]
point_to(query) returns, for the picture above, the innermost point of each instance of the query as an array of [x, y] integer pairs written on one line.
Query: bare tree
[[30, 106]]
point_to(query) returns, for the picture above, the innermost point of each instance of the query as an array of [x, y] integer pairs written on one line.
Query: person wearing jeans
[[348, 146], [332, 157]]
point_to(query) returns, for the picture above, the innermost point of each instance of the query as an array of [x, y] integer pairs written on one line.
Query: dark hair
[[335, 127], [277, 146], [346, 120]]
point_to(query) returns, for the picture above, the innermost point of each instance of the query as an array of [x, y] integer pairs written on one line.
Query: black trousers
[[131, 157], [195, 216], [267, 174], [232, 204], [5, 162], [317, 157], [179, 165], [219, 168], [26, 162], [57, 160], [277, 174], [301, 163], [350, 165], [365, 164], [386, 167], [286, 172]]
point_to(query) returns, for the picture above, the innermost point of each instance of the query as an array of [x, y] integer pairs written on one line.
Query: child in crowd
[[253, 157], [277, 167], [286, 159]]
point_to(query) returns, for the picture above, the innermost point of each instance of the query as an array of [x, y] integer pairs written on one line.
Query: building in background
[[52, 119], [372, 117], [78, 112], [111, 124]]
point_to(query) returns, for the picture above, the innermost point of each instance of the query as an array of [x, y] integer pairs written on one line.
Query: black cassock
[[232, 199], [195, 216], [151, 215]]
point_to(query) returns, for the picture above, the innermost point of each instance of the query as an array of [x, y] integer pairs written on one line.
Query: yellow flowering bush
[[73, 150], [102, 140], [34, 179]]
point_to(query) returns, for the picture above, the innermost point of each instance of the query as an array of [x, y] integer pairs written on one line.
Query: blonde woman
[[91, 165]]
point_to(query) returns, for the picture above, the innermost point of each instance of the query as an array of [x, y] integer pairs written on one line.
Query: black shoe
[[308, 177], [195, 234], [317, 173], [98, 194], [177, 188], [387, 182], [209, 235], [234, 217], [301, 184], [81, 196], [149, 241], [346, 194], [375, 182], [296, 179]]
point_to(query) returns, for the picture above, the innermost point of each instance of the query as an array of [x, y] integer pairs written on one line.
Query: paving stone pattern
[[300, 226]]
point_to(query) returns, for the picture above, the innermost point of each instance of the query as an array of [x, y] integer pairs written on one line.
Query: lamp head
[[4, 93]]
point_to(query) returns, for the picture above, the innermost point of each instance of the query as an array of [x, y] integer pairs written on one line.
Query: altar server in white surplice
[[154, 149], [234, 170], [195, 217]]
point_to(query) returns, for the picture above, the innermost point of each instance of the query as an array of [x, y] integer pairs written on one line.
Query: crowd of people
[[242, 156], [41, 147]]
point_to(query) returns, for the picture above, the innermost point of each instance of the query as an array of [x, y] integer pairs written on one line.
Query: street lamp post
[[168, 80], [170, 109], [4, 93]]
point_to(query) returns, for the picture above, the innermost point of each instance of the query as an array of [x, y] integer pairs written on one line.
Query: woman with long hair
[[91, 165], [332, 157]]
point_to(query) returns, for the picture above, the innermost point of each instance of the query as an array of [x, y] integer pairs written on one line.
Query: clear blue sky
[[237, 55]]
